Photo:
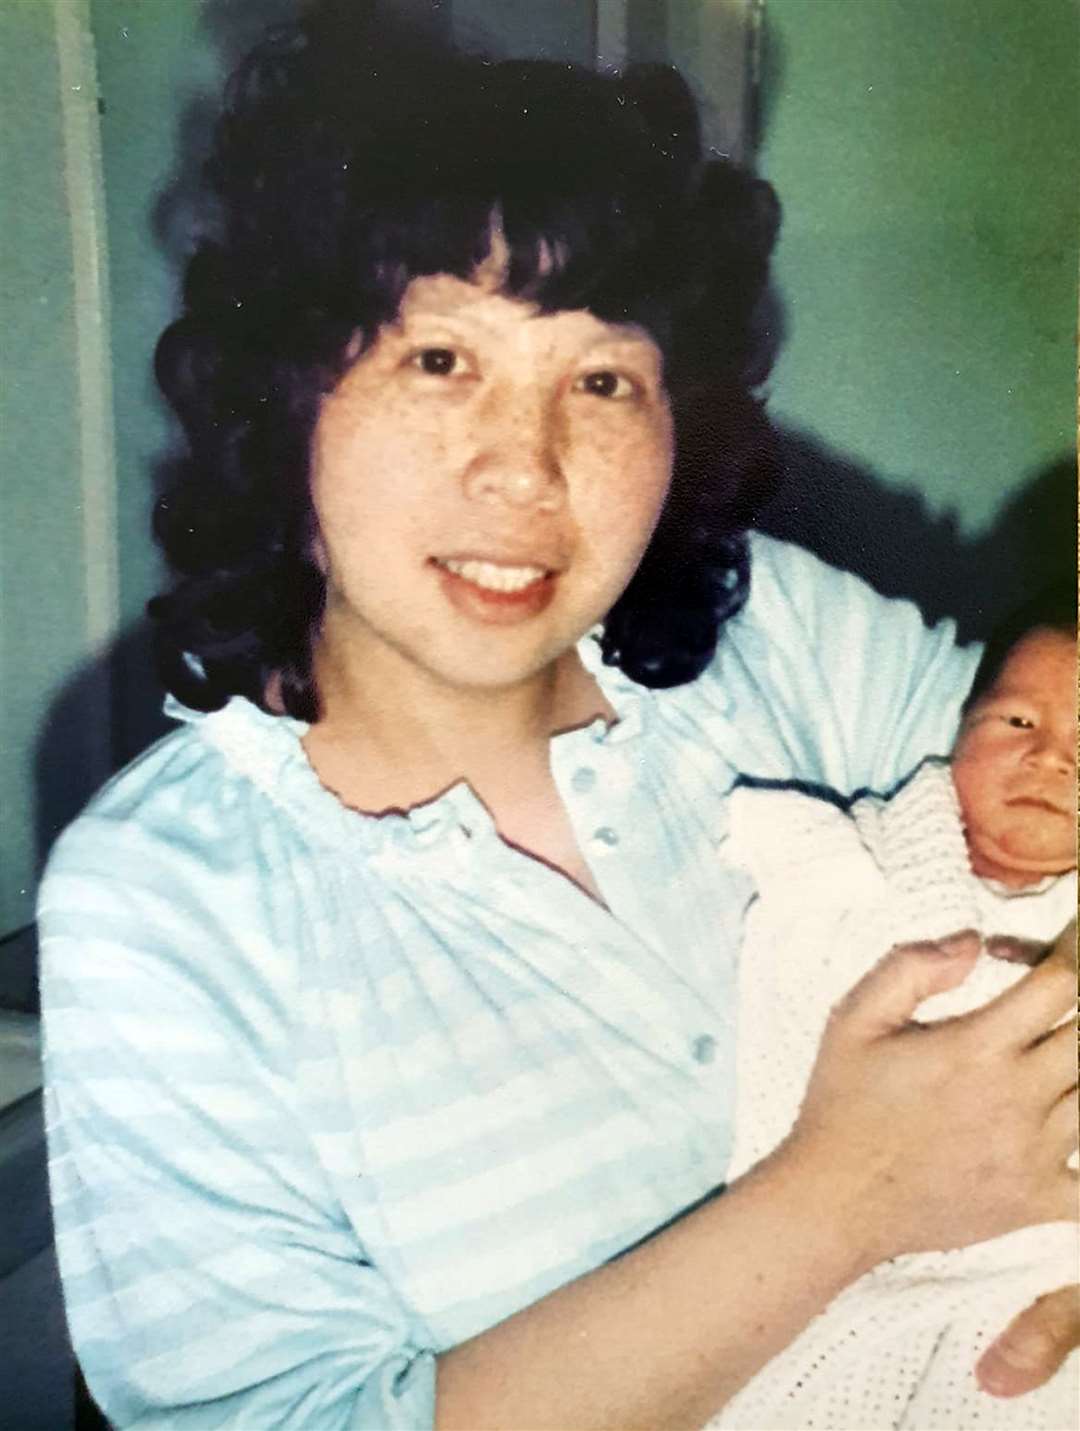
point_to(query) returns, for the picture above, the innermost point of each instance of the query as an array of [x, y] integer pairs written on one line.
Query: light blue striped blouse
[[327, 1094]]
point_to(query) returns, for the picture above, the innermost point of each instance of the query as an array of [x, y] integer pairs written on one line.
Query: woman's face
[[485, 480], [1014, 765]]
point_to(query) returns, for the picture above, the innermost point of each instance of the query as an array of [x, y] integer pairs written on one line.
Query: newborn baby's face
[[1014, 765]]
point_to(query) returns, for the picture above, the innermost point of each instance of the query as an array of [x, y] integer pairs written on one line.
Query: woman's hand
[[909, 1138], [943, 1135], [1036, 1342]]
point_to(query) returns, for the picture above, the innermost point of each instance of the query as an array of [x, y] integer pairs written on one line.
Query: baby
[[983, 842]]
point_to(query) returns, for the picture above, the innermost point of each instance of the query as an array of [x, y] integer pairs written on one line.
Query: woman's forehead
[[481, 303]]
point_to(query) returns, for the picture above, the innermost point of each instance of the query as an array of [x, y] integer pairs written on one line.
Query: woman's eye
[[436, 362], [605, 383]]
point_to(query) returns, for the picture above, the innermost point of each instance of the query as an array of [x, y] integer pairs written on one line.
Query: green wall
[[926, 154], [42, 631]]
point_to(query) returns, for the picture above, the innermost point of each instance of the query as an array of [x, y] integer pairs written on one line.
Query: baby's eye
[[1019, 722], [606, 383], [437, 362]]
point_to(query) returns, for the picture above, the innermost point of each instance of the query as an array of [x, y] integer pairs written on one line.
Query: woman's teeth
[[495, 578]]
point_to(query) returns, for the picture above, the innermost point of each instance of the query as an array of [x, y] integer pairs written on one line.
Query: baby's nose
[[1054, 752]]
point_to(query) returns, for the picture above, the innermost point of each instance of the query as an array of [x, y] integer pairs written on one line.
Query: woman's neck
[[392, 736]]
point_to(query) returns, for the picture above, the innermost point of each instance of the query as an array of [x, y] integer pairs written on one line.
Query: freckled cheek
[[376, 493], [629, 469]]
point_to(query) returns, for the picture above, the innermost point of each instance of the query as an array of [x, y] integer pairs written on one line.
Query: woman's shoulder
[[181, 886], [180, 793], [182, 842]]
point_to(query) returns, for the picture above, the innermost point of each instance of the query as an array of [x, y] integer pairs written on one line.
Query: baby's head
[[1014, 763]]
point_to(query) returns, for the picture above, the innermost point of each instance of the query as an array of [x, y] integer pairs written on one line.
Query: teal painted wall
[[926, 154], [42, 634]]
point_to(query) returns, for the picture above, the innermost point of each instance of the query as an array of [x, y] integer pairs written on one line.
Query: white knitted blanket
[[896, 1349]]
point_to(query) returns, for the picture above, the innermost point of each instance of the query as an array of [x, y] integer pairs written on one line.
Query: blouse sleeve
[[833, 684], [210, 1278]]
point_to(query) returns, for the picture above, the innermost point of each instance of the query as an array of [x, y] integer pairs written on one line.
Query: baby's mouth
[[1036, 802]]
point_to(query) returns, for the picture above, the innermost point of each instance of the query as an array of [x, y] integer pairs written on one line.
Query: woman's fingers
[[1033, 1346], [1063, 948], [1062, 1132], [1050, 1066], [902, 1109], [1061, 1203], [885, 999], [1032, 1006]]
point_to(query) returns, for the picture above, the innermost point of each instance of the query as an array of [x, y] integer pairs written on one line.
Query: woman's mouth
[[494, 591], [493, 576]]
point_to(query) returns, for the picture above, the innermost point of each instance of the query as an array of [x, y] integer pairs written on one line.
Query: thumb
[[1064, 946], [1033, 1346], [885, 999]]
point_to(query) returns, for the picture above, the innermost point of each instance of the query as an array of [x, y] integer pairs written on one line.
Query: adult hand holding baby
[[1036, 1342], [890, 1154], [948, 1134]]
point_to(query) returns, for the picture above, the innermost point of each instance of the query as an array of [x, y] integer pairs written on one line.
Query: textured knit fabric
[[327, 1094], [898, 1348]]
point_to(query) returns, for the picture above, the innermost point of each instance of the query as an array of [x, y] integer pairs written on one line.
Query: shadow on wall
[[62, 785], [182, 214], [886, 534]]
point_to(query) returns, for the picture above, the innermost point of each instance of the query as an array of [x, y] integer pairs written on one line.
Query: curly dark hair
[[350, 159]]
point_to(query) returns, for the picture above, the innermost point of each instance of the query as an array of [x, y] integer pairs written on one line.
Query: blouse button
[[606, 836], [583, 779], [703, 1048]]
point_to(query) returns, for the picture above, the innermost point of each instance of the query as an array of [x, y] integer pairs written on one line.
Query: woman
[[389, 1053]]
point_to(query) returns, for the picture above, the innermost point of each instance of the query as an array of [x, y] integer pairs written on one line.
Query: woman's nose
[[516, 462]]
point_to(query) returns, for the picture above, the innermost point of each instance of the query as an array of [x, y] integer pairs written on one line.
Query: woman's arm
[[890, 1155], [829, 682]]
